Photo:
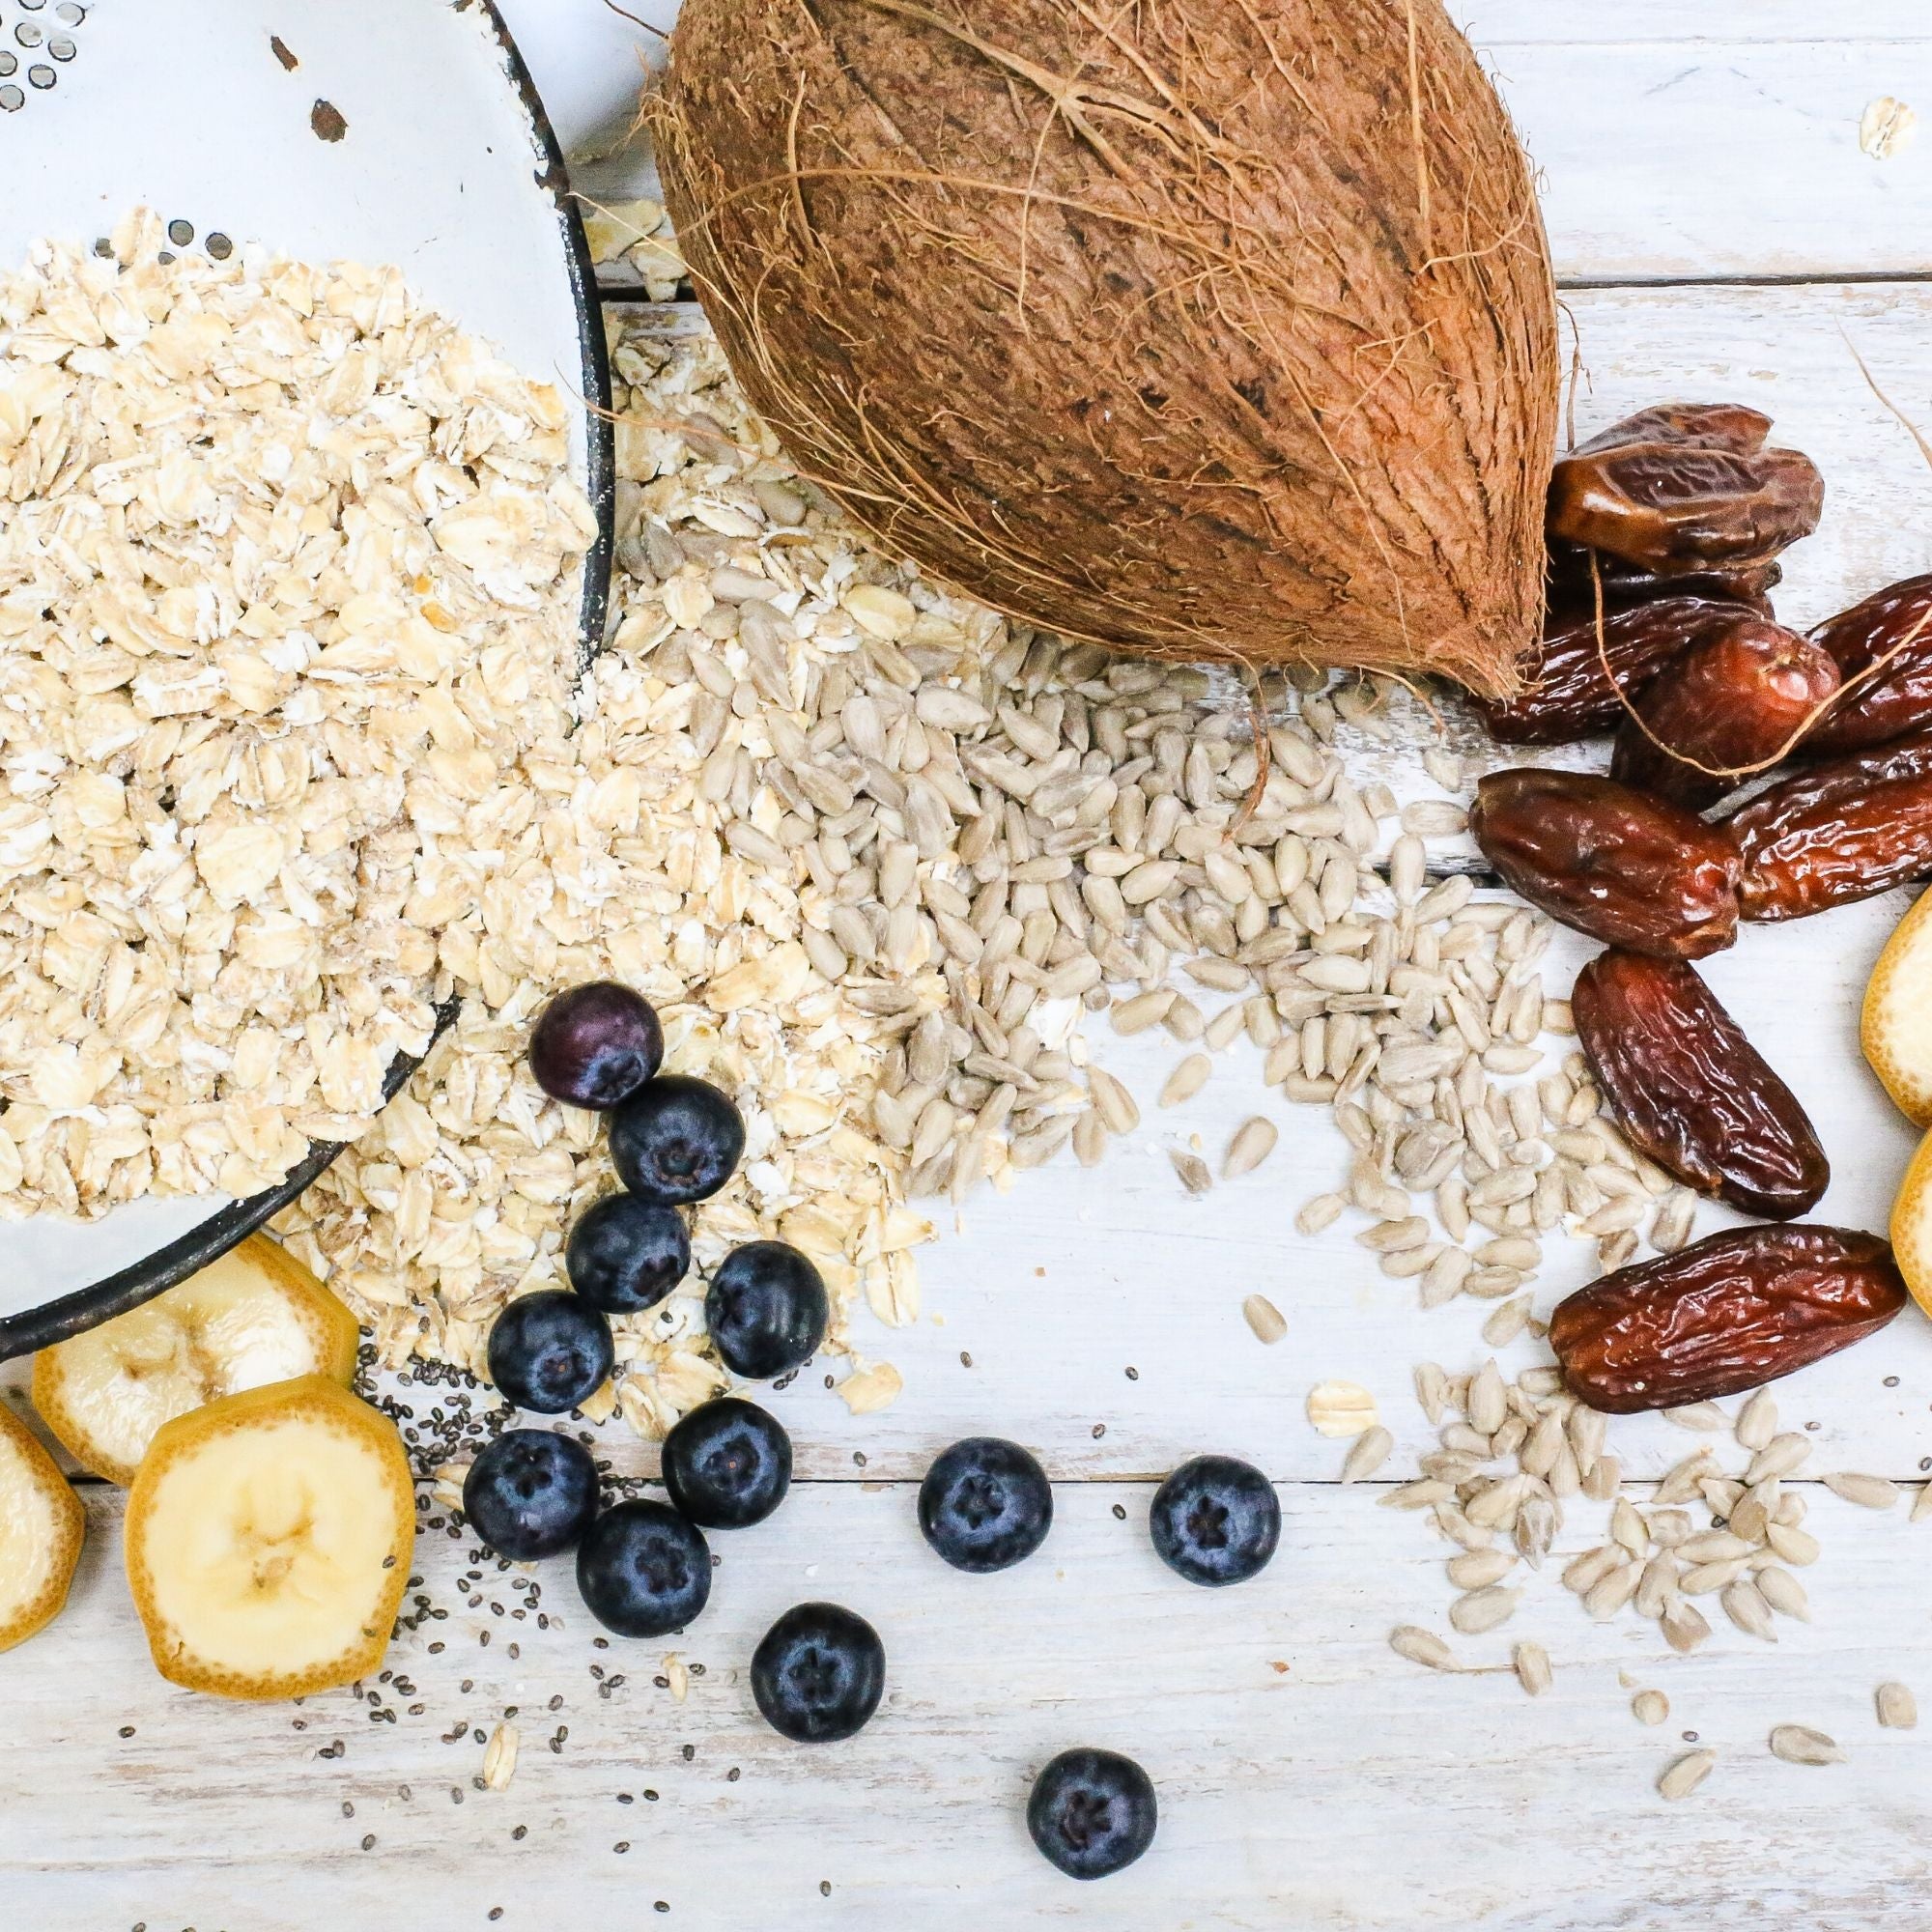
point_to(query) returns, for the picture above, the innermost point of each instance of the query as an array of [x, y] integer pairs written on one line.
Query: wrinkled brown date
[[1723, 1316], [1625, 868], [1691, 1091], [1685, 486], [1570, 584], [1897, 700], [1729, 703], [1567, 693], [1837, 832]]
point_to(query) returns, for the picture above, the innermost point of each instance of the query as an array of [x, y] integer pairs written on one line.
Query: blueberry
[[1215, 1521], [986, 1504], [550, 1351], [643, 1570], [818, 1673], [626, 1253], [728, 1464], [530, 1494], [1092, 1812], [676, 1140], [595, 1045], [766, 1310]]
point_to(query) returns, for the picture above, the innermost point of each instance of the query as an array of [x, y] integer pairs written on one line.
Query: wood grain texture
[[1307, 1776], [1704, 141], [1349, 1792]]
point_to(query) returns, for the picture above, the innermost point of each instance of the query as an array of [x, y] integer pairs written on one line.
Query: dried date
[[1837, 832], [1628, 869], [1691, 1091], [1568, 693], [1571, 582], [1723, 1316], [1685, 486], [1894, 700], [1730, 703]]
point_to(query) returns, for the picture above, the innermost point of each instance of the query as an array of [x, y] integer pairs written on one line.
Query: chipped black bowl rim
[[84, 1308]]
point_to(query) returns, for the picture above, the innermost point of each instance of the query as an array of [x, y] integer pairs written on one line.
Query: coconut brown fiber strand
[[1217, 329]]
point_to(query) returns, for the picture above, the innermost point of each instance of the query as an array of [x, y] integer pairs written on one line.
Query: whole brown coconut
[[1209, 327]]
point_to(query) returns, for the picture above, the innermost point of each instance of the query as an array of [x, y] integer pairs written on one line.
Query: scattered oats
[[1922, 1503], [1369, 1451], [499, 1757], [277, 685], [1650, 1707], [1898, 1708], [677, 1674], [1683, 1774], [1532, 1667], [871, 1388], [1887, 128], [1872, 1492], [1264, 1318], [1340, 1408], [1799, 1744]]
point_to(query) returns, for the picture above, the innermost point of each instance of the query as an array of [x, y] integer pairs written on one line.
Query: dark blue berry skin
[[986, 1504], [819, 1674], [595, 1045], [676, 1140], [728, 1464], [1092, 1812], [1216, 1520], [643, 1570], [530, 1494], [626, 1253], [766, 1309], [548, 1350]]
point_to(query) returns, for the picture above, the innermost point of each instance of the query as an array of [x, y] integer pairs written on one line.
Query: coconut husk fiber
[[1214, 329]]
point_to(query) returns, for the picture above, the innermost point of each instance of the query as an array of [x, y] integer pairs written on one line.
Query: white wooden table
[[1720, 235]]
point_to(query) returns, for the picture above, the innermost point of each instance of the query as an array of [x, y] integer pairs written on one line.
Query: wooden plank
[[1095, 1314], [1307, 1776], [1707, 142], [1584, 23]]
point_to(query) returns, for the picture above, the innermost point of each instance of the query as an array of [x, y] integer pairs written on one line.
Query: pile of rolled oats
[[288, 612]]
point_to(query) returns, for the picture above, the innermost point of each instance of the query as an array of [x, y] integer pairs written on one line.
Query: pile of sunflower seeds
[[881, 853], [1734, 1537]]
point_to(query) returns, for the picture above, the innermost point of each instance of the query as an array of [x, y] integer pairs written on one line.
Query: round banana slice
[[41, 1525], [268, 1539], [255, 1316], [1895, 1028]]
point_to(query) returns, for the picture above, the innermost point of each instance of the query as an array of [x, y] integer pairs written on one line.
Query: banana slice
[[1895, 1028], [255, 1316], [1912, 1226], [41, 1525], [268, 1539]]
